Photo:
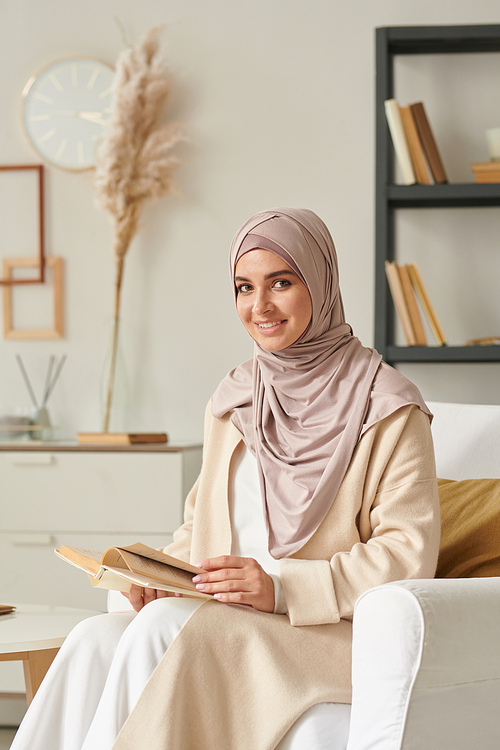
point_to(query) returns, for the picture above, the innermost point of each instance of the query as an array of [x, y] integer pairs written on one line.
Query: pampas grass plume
[[135, 163]]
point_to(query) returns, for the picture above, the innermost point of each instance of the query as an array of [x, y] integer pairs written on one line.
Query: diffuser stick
[[56, 376], [47, 380], [26, 380]]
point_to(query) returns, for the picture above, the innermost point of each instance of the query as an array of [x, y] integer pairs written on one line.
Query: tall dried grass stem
[[134, 163]]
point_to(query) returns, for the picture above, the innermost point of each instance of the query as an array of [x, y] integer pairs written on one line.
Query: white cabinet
[[83, 497]]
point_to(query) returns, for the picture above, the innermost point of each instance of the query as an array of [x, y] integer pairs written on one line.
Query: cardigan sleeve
[[181, 545], [398, 525], [183, 536]]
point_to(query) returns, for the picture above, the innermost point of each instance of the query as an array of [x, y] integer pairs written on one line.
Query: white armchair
[[426, 653]]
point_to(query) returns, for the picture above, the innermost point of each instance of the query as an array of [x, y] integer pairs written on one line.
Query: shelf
[[419, 40], [442, 196], [426, 40], [442, 354]]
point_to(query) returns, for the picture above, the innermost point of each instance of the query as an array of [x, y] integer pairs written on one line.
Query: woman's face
[[273, 303]]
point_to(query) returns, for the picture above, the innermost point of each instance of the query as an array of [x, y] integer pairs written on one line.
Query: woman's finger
[[149, 595], [223, 574], [135, 597], [239, 597], [226, 585], [263, 599], [224, 561], [139, 596]]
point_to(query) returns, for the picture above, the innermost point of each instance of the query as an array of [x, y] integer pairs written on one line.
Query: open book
[[119, 567]]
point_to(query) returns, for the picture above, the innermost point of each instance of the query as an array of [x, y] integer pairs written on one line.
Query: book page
[[85, 559], [156, 554], [110, 580], [155, 569], [117, 579]]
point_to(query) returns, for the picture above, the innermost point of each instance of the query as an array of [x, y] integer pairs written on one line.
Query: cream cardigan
[[236, 678]]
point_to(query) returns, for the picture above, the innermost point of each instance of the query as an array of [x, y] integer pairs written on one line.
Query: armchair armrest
[[426, 666]]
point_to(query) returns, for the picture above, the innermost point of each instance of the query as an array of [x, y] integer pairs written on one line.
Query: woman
[[318, 482]]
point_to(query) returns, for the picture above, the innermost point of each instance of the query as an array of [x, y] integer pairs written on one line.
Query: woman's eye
[[243, 288], [281, 283]]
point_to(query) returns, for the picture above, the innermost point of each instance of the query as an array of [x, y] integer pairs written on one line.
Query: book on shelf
[[399, 141], [122, 438], [428, 142], [406, 287], [486, 171], [485, 341], [412, 306], [415, 146], [427, 306], [118, 568], [394, 279]]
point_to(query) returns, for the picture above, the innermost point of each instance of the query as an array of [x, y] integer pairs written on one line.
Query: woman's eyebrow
[[284, 272]]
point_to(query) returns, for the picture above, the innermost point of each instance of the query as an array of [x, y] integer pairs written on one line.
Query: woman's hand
[[237, 580], [139, 596]]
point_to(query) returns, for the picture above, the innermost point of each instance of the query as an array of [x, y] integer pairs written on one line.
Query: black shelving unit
[[419, 40]]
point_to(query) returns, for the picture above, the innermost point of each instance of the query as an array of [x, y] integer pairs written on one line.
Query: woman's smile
[[270, 326], [273, 303]]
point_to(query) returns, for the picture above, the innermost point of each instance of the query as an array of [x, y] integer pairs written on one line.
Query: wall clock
[[65, 108]]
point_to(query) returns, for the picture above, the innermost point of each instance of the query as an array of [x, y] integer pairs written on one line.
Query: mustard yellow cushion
[[470, 528]]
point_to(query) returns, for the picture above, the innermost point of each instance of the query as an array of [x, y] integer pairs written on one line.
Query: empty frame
[[10, 331]]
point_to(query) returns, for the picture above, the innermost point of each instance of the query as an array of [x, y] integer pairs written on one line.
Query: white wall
[[278, 99]]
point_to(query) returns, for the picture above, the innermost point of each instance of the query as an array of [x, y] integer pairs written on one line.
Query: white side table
[[34, 634]]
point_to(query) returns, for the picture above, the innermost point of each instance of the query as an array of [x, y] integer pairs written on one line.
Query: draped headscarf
[[302, 410]]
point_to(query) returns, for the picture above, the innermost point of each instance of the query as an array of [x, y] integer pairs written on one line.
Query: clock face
[[65, 109]]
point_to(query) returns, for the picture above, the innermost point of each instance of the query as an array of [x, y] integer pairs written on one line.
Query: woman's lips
[[268, 327]]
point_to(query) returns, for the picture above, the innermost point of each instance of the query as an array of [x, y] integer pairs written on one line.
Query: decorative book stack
[[122, 438], [416, 149], [406, 287], [486, 171]]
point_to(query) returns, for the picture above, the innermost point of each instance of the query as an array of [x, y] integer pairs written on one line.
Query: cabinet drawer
[[86, 491]]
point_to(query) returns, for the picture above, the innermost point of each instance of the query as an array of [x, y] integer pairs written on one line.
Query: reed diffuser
[[134, 160]]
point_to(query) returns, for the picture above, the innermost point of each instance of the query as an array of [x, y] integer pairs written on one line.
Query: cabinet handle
[[33, 459], [33, 540]]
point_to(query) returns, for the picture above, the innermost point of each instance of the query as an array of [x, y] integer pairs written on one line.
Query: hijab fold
[[302, 410]]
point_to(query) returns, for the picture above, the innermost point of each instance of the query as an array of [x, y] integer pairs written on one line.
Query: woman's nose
[[262, 302]]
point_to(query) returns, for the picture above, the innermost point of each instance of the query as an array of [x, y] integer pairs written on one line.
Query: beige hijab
[[302, 410]]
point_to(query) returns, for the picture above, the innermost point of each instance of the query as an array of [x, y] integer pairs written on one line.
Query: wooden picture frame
[[57, 332], [40, 260]]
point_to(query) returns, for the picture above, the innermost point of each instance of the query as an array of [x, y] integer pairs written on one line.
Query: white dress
[[106, 661]]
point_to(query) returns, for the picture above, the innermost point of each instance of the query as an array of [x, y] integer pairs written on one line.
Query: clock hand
[[76, 113], [89, 115], [92, 117]]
